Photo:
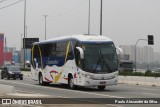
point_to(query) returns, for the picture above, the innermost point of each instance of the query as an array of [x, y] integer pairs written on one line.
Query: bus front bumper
[[90, 82]]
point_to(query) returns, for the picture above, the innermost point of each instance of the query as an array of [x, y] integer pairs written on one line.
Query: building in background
[[16, 57], [1, 49], [8, 55], [5, 57], [27, 55], [145, 56]]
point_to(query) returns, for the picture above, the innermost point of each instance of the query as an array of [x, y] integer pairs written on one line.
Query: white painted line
[[114, 105], [104, 95], [62, 97], [150, 93]]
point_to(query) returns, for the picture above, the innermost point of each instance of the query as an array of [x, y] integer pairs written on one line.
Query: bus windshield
[[99, 58]]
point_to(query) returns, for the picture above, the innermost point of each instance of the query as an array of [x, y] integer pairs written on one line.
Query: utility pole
[[45, 17], [21, 54], [89, 19], [101, 18], [24, 32]]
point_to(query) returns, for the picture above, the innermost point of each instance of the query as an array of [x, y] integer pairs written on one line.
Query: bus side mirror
[[35, 60], [81, 52]]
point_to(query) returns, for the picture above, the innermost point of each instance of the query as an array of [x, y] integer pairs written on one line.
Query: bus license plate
[[103, 82]]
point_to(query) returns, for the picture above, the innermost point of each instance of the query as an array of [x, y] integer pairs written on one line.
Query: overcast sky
[[124, 21]]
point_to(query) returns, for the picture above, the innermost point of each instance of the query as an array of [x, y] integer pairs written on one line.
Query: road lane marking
[[114, 105], [62, 97], [149, 93], [104, 95]]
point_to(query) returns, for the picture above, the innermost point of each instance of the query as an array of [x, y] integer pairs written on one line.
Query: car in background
[[11, 72]]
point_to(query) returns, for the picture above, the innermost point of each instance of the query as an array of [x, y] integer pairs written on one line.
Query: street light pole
[[24, 31], [45, 16], [89, 19], [21, 54], [136, 52], [101, 18]]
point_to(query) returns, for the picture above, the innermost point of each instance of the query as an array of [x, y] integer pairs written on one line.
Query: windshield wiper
[[99, 58], [104, 61]]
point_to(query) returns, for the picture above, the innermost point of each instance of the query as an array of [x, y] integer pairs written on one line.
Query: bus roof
[[81, 38]]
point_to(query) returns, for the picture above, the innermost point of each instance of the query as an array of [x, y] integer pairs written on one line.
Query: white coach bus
[[76, 60]]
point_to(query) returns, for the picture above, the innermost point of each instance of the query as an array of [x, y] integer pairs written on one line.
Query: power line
[[11, 4]]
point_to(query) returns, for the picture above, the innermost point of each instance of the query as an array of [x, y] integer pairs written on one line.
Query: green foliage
[[137, 74], [125, 73], [148, 73]]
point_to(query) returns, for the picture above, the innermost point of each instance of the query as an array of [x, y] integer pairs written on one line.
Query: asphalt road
[[119, 91]]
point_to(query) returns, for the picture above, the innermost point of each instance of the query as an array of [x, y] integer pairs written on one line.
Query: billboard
[[29, 41]]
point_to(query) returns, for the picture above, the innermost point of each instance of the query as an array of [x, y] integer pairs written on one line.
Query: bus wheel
[[101, 88], [71, 83], [41, 82], [1, 76], [41, 79]]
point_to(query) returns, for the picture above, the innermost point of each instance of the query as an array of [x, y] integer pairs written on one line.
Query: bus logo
[[6, 101]]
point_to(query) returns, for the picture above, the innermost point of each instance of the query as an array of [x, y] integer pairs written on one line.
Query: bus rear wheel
[[71, 83], [41, 82], [101, 88]]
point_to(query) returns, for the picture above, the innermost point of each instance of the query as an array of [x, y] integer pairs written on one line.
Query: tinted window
[[48, 49], [12, 68], [61, 48]]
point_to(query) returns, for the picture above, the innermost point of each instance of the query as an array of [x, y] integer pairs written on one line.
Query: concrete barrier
[[138, 80], [6, 89]]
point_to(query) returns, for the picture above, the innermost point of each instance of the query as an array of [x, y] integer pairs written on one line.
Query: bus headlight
[[87, 75], [115, 75]]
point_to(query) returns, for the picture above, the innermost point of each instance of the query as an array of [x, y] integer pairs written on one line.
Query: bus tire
[[1, 76], [101, 88], [41, 82], [71, 83]]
